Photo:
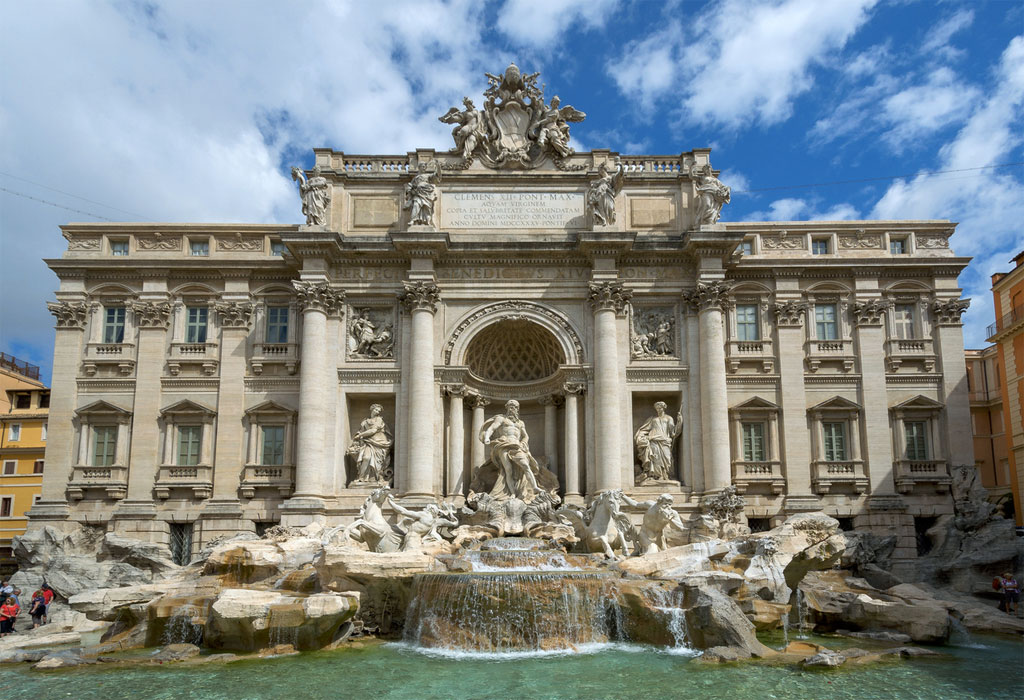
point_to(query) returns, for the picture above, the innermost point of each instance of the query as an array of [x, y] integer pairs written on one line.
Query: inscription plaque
[[544, 210]]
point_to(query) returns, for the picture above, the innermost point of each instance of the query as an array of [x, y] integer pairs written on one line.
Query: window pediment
[[918, 403], [186, 407], [756, 403], [836, 403], [269, 408], [100, 409]]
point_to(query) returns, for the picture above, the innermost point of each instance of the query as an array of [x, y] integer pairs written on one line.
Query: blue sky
[[192, 111]]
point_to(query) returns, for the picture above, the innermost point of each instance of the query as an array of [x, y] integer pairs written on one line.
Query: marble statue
[[509, 446], [601, 196], [368, 339], [420, 528], [470, 131], [603, 527], [711, 195], [654, 440], [371, 450], [371, 528], [316, 195], [652, 334], [551, 126], [658, 517], [420, 195]]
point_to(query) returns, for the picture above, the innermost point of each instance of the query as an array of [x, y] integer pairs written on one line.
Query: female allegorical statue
[[654, 444], [371, 449]]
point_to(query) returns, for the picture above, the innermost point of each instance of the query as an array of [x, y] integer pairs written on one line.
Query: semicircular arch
[[563, 331]]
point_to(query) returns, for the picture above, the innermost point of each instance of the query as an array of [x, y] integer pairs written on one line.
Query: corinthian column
[[456, 440], [420, 299], [708, 299], [572, 450], [607, 299], [477, 453], [316, 300]]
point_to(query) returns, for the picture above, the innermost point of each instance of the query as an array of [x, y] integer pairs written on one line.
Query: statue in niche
[[711, 195], [420, 529], [652, 335], [601, 196], [316, 195], [658, 517], [654, 440], [369, 339], [516, 471], [420, 195], [470, 131], [371, 450]]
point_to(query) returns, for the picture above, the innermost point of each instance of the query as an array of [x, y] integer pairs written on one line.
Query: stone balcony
[[840, 352], [753, 474], [113, 480], [758, 352], [267, 476], [202, 354], [911, 472], [286, 354], [826, 475], [198, 479], [119, 355], [917, 350]]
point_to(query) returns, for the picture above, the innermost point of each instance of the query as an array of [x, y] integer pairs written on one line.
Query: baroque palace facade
[[215, 378]]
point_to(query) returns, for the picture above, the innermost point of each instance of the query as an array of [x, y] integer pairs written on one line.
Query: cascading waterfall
[[670, 603], [184, 627], [801, 614]]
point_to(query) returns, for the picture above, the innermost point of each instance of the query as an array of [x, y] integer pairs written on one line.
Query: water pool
[[990, 671]]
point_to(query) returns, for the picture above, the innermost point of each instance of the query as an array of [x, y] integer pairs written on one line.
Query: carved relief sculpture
[[316, 195], [420, 195], [654, 440], [710, 195], [370, 336], [603, 190], [420, 529], [652, 333], [370, 450]]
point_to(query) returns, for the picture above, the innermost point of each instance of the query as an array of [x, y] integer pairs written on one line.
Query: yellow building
[[24, 407]]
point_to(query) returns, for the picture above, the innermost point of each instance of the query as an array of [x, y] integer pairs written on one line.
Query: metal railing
[[26, 369], [1015, 315]]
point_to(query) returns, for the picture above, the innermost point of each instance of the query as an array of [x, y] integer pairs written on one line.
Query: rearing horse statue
[[603, 527]]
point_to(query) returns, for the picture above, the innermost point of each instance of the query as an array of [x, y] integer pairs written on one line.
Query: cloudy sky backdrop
[[195, 111]]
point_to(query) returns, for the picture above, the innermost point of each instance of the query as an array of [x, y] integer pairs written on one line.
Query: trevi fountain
[[657, 536]]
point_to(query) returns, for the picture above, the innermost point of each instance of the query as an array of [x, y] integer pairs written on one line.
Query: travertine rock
[[245, 620]]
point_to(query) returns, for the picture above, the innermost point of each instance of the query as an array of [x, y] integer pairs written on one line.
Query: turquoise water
[[393, 671]]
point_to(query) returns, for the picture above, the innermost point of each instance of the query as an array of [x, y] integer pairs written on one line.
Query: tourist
[[5, 590], [37, 608], [47, 600], [8, 614], [1011, 593]]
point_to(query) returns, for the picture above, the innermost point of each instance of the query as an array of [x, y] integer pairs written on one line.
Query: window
[[199, 248], [37, 466], [104, 448], [277, 324], [898, 246], [190, 438], [835, 441], [44, 402], [921, 527], [23, 401], [195, 324], [42, 431], [746, 322], [277, 248], [119, 248], [273, 444], [819, 246], [753, 442], [15, 434], [10, 467], [759, 524], [113, 324], [846, 524], [825, 322], [903, 320], [746, 247], [917, 440], [6, 506], [181, 543]]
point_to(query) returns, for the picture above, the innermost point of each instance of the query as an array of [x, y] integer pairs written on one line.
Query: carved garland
[[513, 310]]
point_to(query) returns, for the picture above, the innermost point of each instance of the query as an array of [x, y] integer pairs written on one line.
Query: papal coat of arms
[[516, 128]]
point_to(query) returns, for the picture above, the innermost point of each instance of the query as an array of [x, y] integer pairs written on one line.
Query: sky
[[194, 111]]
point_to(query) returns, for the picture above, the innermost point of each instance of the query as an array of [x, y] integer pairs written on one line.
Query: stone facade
[[813, 365]]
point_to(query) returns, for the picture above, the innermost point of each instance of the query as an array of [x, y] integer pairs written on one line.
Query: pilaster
[[949, 337], [869, 346], [229, 453]]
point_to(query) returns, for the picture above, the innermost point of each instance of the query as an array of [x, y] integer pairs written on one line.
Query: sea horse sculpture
[[603, 527]]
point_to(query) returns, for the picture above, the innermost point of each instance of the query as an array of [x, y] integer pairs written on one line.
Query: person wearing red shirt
[[8, 613], [47, 599]]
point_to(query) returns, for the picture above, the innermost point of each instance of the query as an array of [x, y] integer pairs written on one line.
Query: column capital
[[151, 314], [948, 311], [868, 312], [551, 400], [708, 295], [574, 388], [420, 295], [450, 390], [235, 314], [609, 295], [70, 314], [319, 296], [790, 313], [477, 401]]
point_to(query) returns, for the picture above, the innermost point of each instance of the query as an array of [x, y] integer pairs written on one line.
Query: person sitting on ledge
[[8, 614], [1011, 593]]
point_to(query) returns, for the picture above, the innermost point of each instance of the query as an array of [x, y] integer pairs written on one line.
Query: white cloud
[[740, 61], [937, 40], [922, 109], [737, 181], [540, 23], [797, 209], [988, 204]]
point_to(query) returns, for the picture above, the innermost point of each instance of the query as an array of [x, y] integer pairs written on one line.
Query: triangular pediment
[[102, 408], [836, 403], [756, 403], [186, 406], [269, 406], [919, 402]]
